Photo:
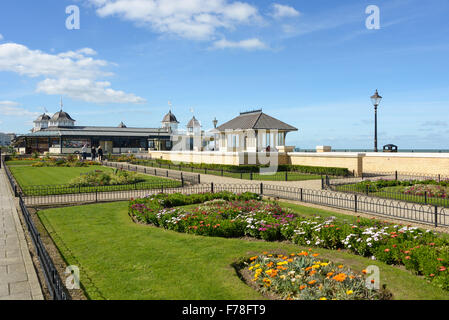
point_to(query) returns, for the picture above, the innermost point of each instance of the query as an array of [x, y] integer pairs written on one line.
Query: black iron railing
[[54, 283]]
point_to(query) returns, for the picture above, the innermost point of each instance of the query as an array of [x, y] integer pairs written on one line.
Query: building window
[[281, 139]]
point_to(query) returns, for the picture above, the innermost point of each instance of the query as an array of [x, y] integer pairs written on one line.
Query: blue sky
[[312, 64]]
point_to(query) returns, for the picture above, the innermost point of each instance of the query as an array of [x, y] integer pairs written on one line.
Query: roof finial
[[61, 103], [169, 105]]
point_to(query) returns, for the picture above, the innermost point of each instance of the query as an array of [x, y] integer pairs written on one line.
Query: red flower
[[394, 246], [442, 268], [387, 250], [407, 258]]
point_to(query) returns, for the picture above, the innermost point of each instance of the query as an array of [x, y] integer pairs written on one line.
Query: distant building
[[253, 131], [6, 138]]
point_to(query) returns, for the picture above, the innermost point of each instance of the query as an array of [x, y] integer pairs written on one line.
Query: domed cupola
[[193, 125], [41, 122], [61, 119], [170, 122]]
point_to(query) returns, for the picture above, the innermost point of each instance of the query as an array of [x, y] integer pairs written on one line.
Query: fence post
[[261, 188], [355, 203], [212, 187], [251, 175], [436, 216], [222, 173], [182, 180], [205, 170], [162, 188], [425, 197], [367, 190], [322, 183], [96, 195], [15, 191], [199, 178], [301, 196], [439, 178], [145, 170], [286, 175], [167, 173]]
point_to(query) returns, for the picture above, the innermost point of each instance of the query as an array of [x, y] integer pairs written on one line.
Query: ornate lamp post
[[376, 98], [215, 121]]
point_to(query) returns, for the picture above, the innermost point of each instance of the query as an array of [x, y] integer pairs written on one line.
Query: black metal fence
[[246, 175], [362, 186], [54, 283], [185, 178]]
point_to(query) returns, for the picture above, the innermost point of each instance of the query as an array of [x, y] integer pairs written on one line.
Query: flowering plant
[[303, 276]]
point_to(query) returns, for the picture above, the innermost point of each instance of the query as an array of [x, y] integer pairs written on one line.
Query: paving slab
[[18, 279]]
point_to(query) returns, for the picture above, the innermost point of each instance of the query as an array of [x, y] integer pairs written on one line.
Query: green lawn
[[28, 176], [119, 259]]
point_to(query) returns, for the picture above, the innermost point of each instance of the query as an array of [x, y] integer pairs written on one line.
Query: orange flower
[[253, 258], [364, 271], [372, 281], [290, 260], [340, 277], [312, 272], [330, 274], [312, 282], [340, 266], [302, 287], [315, 254]]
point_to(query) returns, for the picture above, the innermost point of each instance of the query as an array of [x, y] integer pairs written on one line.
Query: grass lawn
[[28, 176], [120, 259]]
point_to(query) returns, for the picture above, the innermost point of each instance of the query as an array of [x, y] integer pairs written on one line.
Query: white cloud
[[281, 11], [249, 44], [192, 19], [10, 108], [33, 63], [87, 90], [72, 73]]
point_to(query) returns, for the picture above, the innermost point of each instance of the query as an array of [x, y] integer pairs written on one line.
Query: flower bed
[[423, 252], [303, 276], [434, 191]]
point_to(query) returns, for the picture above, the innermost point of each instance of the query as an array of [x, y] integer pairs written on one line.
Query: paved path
[[18, 279]]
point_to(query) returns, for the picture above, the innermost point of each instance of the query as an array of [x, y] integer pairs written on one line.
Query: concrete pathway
[[18, 279]]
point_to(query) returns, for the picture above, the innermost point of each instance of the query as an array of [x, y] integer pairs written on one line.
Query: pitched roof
[[43, 117], [193, 123], [255, 120], [170, 117], [61, 115]]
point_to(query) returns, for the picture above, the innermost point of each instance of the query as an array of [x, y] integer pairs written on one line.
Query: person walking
[[84, 151], [100, 153], [93, 152]]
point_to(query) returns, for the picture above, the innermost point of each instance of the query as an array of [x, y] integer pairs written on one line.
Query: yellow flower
[[257, 266], [250, 268], [323, 298], [323, 264], [349, 292], [316, 266]]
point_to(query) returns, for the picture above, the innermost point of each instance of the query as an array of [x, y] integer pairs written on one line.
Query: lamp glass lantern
[[376, 98]]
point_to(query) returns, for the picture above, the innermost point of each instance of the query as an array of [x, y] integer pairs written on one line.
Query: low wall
[[216, 157], [418, 163], [424, 163], [349, 160]]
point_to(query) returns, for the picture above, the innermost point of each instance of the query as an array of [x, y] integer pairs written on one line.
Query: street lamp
[[376, 98], [215, 121]]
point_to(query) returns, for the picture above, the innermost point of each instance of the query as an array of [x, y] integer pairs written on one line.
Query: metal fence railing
[[54, 283], [367, 186], [185, 178], [244, 175]]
